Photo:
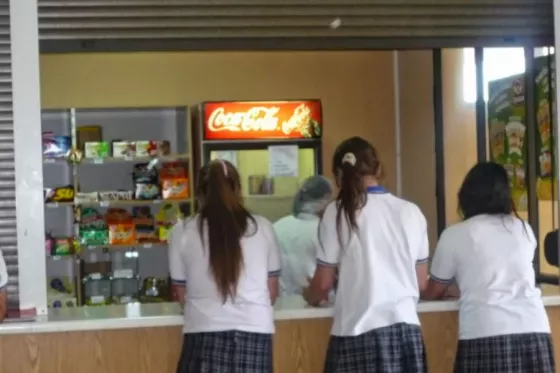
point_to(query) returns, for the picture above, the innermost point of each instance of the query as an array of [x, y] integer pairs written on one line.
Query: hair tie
[[349, 158], [224, 167]]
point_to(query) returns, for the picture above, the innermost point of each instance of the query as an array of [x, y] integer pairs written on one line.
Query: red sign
[[255, 120]]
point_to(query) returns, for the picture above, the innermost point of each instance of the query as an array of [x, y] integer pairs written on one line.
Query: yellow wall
[[355, 87]]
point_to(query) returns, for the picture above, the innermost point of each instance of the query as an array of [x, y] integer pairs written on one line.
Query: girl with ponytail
[[229, 260], [378, 243]]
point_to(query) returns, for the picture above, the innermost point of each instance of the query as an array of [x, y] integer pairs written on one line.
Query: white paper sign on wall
[[283, 160], [227, 155]]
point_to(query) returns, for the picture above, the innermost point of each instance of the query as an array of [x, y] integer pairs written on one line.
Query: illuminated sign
[[262, 120]]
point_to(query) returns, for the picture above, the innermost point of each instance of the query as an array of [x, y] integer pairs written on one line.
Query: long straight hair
[[225, 220], [354, 159]]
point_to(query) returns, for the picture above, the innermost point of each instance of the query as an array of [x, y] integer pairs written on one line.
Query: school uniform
[[230, 337], [376, 327], [503, 325]]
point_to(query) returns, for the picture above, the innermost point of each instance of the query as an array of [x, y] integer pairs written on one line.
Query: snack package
[[86, 197], [92, 227], [96, 149], [119, 195], [56, 146], [121, 228], [145, 181], [144, 224], [59, 194], [142, 173], [174, 181], [61, 246], [146, 191], [146, 148], [163, 148], [124, 149], [167, 216]]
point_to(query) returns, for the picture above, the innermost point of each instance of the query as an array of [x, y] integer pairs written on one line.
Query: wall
[[355, 87]]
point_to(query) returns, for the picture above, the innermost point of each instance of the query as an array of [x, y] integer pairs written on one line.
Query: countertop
[[169, 314]]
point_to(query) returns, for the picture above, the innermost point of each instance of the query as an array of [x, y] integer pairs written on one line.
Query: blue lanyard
[[376, 190]]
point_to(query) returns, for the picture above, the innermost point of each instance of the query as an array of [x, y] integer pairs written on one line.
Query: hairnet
[[313, 196]]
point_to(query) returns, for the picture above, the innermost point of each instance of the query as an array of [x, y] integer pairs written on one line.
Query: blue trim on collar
[[376, 190]]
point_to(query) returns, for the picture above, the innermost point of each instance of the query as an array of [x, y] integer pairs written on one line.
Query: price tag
[[126, 299], [49, 160], [104, 203], [95, 276], [147, 246], [98, 161], [96, 299], [52, 204], [123, 273]]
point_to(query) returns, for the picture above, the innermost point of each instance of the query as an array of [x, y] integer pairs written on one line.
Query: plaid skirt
[[398, 348], [513, 353], [226, 352]]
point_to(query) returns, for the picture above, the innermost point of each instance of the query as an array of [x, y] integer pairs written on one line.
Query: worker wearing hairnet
[[297, 234]]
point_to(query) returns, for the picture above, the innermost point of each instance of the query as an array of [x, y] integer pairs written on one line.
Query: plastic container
[[124, 290], [125, 264], [97, 290]]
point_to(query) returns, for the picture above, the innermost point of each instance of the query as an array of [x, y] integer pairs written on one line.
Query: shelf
[[55, 160], [107, 160], [133, 202], [145, 245]]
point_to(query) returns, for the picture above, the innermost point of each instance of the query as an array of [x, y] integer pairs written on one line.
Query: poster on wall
[[545, 106], [507, 129], [283, 160]]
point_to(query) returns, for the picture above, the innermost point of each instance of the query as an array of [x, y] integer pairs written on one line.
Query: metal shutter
[[238, 24], [8, 226]]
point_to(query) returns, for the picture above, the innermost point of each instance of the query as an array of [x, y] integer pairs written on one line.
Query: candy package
[[56, 146], [121, 227], [174, 181], [167, 216], [92, 227], [144, 224], [96, 149], [59, 194]]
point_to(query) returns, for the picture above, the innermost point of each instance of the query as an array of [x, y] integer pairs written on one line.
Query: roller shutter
[[301, 24], [8, 228]]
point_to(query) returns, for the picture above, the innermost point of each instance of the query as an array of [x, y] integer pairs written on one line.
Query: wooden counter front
[[299, 347]]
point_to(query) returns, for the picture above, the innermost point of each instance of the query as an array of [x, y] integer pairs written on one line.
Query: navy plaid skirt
[[226, 352], [398, 348], [513, 353]]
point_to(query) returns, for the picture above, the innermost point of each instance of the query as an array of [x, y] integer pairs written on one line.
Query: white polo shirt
[[204, 310], [377, 284], [298, 241], [491, 258]]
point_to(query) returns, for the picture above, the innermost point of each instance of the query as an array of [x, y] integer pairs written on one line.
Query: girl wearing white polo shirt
[[230, 261], [379, 244], [503, 326]]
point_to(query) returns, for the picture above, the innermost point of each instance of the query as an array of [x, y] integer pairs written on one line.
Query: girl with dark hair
[[503, 326], [230, 261], [379, 244]]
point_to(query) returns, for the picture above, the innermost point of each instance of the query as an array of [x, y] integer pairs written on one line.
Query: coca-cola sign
[[262, 120]]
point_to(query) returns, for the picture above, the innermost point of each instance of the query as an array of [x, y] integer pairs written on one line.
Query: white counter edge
[[165, 315]]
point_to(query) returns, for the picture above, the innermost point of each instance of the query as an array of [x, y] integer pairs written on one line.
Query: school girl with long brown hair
[[226, 262], [379, 244], [503, 325]]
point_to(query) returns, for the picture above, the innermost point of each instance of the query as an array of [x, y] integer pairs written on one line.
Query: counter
[[147, 338]]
